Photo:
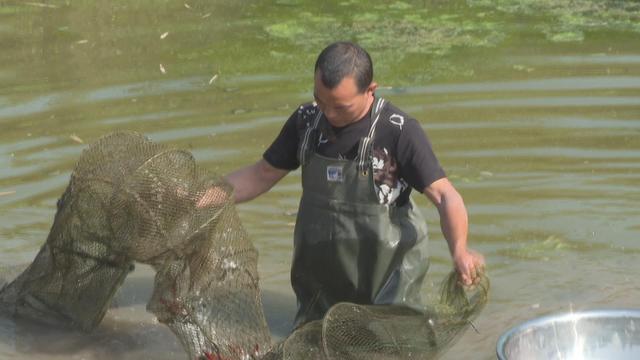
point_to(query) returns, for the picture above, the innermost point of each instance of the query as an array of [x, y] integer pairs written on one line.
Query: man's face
[[343, 104]]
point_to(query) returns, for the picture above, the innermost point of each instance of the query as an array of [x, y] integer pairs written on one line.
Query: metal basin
[[587, 335]]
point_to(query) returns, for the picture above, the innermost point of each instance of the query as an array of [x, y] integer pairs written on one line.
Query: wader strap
[[311, 127], [364, 147]]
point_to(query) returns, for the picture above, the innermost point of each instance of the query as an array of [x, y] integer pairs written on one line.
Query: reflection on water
[[127, 332], [533, 110]]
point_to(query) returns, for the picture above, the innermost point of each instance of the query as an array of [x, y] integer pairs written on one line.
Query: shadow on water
[[120, 339]]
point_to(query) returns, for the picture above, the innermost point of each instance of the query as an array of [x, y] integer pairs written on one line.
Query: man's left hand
[[469, 265]]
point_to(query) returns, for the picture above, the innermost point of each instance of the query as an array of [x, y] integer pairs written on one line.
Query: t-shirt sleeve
[[418, 163], [282, 153]]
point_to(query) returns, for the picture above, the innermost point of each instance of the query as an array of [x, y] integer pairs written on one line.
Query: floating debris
[[50, 6], [213, 79], [4, 193], [206, 15], [83, 41], [76, 138], [162, 70], [523, 68], [164, 35], [187, 6]]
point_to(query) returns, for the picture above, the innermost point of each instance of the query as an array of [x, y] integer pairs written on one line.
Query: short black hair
[[344, 58]]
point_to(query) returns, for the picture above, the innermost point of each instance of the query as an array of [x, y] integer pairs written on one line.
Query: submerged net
[[351, 331], [130, 200]]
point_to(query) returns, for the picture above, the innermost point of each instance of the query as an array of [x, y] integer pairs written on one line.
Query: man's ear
[[372, 87]]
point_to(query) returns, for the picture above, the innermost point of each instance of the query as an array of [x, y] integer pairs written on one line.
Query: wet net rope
[[131, 200]]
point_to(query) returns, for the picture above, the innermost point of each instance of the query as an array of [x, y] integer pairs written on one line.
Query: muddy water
[[533, 109]]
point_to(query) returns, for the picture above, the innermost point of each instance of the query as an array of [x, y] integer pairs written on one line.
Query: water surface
[[533, 109]]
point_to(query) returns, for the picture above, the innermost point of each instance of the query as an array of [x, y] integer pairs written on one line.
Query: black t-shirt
[[402, 154]]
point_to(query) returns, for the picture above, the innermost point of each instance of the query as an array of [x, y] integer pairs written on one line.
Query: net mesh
[[130, 200], [352, 331]]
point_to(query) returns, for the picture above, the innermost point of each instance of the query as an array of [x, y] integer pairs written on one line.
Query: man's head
[[343, 86]]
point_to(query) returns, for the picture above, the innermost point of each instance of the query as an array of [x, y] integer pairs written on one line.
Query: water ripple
[[567, 122], [551, 84], [34, 189], [549, 152], [556, 101], [594, 59], [68, 98], [148, 117], [193, 132]]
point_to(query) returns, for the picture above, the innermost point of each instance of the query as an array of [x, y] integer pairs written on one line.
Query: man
[[358, 235]]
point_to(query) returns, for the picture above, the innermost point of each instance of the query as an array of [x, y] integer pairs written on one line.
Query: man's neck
[[367, 108]]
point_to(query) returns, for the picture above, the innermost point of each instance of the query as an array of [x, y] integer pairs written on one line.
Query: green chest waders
[[348, 246]]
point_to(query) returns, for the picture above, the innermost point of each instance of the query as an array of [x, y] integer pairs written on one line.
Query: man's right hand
[[213, 196]]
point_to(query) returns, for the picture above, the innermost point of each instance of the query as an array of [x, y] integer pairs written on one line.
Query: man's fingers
[[473, 276], [213, 196], [475, 272], [470, 267], [466, 277], [479, 272], [203, 201], [465, 280]]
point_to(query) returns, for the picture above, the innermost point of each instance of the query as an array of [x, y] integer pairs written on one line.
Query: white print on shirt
[[322, 139], [397, 120], [385, 175]]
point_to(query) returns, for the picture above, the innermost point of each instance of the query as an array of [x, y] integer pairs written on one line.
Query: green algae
[[400, 5], [411, 41], [539, 249], [286, 30], [390, 28], [568, 20], [411, 28], [9, 10], [427, 37]]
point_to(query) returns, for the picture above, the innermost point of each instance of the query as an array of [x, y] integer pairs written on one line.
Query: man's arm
[[454, 225], [254, 180], [248, 183]]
